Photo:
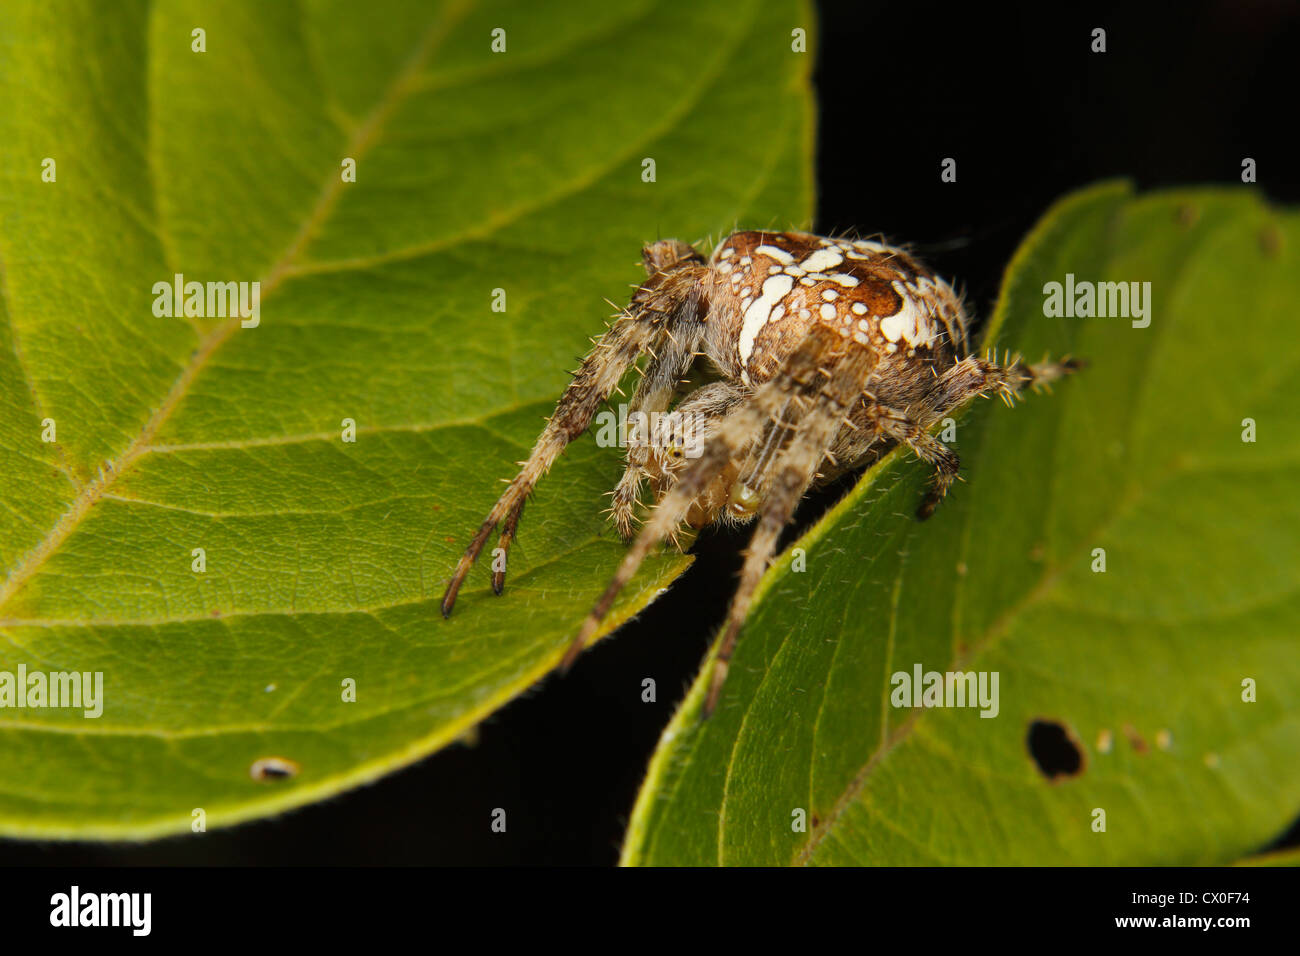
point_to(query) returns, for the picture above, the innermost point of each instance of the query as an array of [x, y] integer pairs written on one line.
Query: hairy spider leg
[[672, 355], [969, 378], [793, 468], [661, 303], [798, 377]]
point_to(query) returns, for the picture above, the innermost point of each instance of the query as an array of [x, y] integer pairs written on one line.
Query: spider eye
[[743, 500]]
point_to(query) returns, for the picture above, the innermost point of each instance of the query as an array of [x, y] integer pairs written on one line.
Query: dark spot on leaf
[[273, 768], [1187, 215], [216, 612], [437, 507], [816, 820], [1054, 749], [1136, 739], [1270, 240]]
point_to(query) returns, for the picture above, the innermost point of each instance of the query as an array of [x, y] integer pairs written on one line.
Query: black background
[[1184, 92]]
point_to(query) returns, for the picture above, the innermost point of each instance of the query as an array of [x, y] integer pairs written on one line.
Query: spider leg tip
[[571, 655]]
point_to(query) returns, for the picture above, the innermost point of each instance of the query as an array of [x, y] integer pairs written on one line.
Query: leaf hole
[[1270, 240], [1054, 749], [1135, 739]]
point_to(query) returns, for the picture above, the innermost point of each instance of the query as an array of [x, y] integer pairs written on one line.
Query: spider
[[828, 352]]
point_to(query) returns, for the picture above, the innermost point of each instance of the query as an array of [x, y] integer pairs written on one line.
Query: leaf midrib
[[363, 139], [493, 224]]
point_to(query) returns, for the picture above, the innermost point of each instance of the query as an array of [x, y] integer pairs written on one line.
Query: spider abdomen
[[766, 290]]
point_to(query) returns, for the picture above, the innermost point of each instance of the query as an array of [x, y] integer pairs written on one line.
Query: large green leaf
[[1142, 455], [476, 170]]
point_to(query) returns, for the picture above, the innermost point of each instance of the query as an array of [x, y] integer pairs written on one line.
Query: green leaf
[[1141, 454], [1287, 857], [325, 560]]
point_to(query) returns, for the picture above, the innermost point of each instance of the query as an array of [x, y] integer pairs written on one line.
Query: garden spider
[[829, 352]]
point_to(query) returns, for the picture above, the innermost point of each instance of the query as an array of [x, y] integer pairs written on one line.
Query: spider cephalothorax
[[828, 352]]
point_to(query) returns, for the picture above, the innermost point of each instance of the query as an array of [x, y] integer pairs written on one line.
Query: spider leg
[[793, 470], [626, 495], [800, 376], [967, 379], [906, 430], [504, 542], [664, 300], [673, 353], [682, 435], [972, 377]]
